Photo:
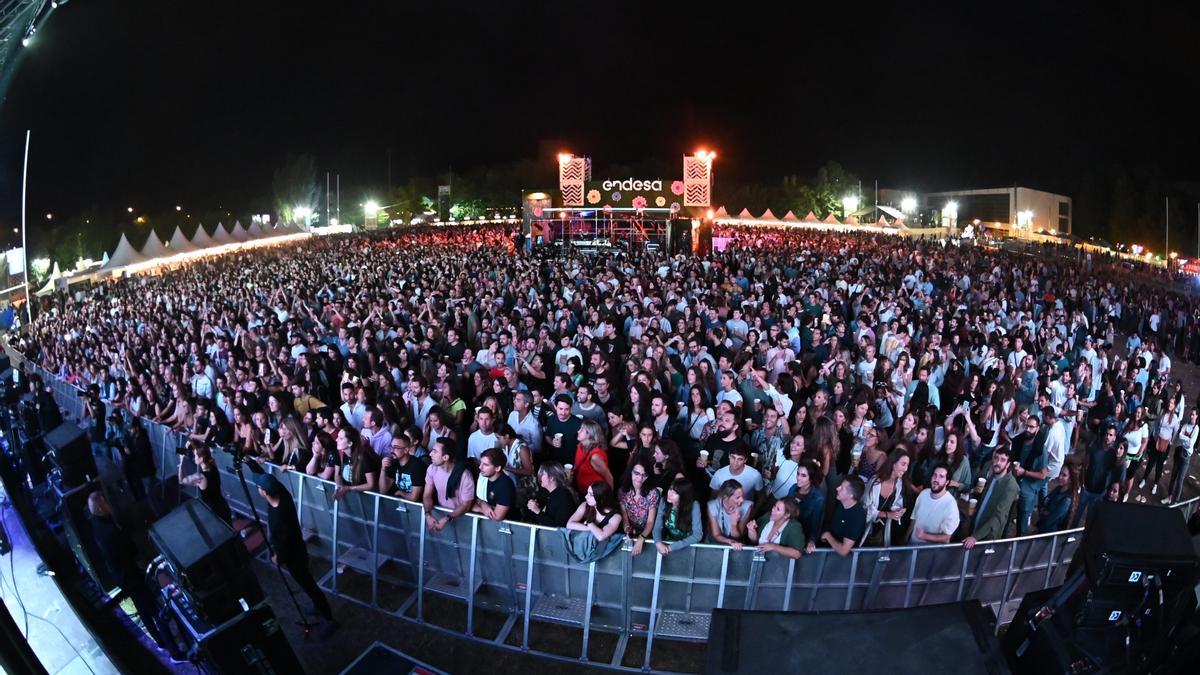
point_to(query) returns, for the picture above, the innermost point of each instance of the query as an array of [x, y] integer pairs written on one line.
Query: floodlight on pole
[[849, 205], [908, 204], [370, 209]]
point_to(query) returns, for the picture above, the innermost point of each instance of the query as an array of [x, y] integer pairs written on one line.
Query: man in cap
[[287, 541]]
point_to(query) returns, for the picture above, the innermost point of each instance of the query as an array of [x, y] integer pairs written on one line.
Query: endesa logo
[[631, 184]]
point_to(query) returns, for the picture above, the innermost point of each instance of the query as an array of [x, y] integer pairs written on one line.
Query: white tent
[[767, 215], [882, 222], [811, 218], [154, 247], [831, 220], [255, 231], [104, 260], [239, 233], [180, 243], [721, 213], [123, 255], [790, 217], [221, 236], [745, 215], [201, 239], [51, 281]]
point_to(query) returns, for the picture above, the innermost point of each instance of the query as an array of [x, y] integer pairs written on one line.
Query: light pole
[[849, 205], [370, 211], [950, 214]]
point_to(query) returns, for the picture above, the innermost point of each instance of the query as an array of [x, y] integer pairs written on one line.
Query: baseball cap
[[268, 482]]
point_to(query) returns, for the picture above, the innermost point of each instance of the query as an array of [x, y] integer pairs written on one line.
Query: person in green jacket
[[779, 531], [995, 501]]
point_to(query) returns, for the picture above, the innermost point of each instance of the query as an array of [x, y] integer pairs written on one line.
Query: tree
[[295, 185]]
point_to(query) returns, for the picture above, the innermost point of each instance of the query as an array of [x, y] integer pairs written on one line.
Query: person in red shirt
[[591, 457]]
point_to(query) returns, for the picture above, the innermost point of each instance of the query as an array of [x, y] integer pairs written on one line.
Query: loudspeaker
[[1124, 543], [254, 643], [71, 453], [208, 561], [1129, 589], [77, 526], [955, 638]]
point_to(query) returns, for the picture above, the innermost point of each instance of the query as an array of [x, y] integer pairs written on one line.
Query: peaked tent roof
[[767, 215], [882, 222], [124, 254], [745, 215], [894, 213], [721, 213], [790, 217], [104, 260], [831, 220], [239, 233], [852, 220], [222, 237], [255, 231], [51, 281], [202, 239], [811, 218], [180, 243], [154, 247]]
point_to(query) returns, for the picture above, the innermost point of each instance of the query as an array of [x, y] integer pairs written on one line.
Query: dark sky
[[152, 103]]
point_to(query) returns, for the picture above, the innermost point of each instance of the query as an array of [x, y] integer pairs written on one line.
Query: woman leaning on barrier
[[594, 531], [679, 523], [778, 531], [639, 502], [360, 464], [554, 502]]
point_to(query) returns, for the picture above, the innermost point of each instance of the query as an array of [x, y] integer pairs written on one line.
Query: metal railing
[[523, 572]]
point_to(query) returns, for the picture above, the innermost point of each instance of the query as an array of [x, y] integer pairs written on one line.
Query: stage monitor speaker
[[254, 643], [72, 454], [1125, 542], [1129, 589], [208, 560], [77, 526], [957, 638]]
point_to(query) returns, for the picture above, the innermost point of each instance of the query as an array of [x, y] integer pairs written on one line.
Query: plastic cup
[[972, 505], [704, 455], [569, 467]]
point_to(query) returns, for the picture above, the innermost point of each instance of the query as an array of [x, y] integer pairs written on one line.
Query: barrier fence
[[522, 571]]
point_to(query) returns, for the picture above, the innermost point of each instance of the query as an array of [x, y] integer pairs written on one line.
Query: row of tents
[[721, 216], [155, 251]]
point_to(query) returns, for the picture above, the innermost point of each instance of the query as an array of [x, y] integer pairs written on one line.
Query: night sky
[[152, 103]]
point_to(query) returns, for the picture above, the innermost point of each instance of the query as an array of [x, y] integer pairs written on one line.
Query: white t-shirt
[[479, 442], [732, 396], [935, 516], [750, 478]]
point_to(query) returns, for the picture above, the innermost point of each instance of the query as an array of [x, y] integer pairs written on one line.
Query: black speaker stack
[[1129, 589], [216, 596], [69, 450], [208, 561]]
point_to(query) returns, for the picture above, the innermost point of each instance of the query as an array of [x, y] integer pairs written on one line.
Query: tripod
[[238, 461]]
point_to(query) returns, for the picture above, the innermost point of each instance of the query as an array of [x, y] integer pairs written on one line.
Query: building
[[1015, 209]]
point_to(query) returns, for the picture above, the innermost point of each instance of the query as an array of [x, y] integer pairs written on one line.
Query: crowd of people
[[797, 390]]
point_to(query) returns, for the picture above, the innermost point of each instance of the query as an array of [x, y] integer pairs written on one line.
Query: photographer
[[137, 459], [207, 479]]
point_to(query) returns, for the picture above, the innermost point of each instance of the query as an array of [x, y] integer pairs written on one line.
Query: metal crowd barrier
[[522, 572]]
